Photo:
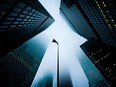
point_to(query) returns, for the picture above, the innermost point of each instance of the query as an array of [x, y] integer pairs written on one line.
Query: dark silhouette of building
[[102, 57], [74, 15], [21, 20], [95, 19], [18, 68], [99, 14]]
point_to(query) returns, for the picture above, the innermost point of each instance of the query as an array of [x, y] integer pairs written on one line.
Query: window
[[33, 10], [22, 22], [27, 16], [17, 9], [30, 13], [18, 19], [21, 5], [28, 8], [16, 23], [9, 18], [21, 15], [13, 14], [25, 12]]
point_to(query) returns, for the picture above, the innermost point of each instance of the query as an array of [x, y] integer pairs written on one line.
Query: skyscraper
[[18, 68], [20, 20], [99, 14], [95, 19], [102, 15], [75, 17], [102, 56], [95, 78]]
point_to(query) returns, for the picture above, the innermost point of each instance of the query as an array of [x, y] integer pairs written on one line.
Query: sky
[[69, 50]]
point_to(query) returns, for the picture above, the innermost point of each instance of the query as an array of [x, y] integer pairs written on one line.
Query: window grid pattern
[[23, 16], [101, 18], [90, 69], [94, 20], [19, 67]]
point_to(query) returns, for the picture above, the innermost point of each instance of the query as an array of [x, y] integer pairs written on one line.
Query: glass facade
[[21, 20], [102, 16], [102, 57], [21, 16], [18, 68], [95, 78]]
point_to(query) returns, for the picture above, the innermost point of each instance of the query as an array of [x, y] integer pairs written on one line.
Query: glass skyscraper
[[20, 20], [100, 30], [102, 57]]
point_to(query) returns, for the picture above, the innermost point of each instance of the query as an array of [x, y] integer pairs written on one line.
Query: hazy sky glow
[[69, 42]]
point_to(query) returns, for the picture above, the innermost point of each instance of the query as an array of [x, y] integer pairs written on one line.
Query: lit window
[[104, 4], [114, 25]]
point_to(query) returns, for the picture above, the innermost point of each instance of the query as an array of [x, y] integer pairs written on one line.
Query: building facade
[[75, 17], [95, 78], [21, 20], [18, 67], [100, 16], [102, 56], [95, 19]]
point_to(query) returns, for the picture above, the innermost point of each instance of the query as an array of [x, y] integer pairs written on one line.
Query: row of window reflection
[[95, 19], [100, 23], [23, 59], [23, 15]]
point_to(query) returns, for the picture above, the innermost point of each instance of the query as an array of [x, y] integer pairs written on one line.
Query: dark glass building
[[95, 19], [20, 20], [102, 57], [18, 68], [75, 17], [99, 14], [95, 78]]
